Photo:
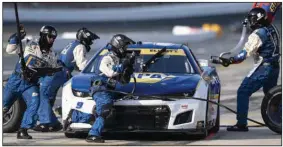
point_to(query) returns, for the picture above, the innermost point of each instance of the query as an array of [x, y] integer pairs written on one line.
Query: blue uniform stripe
[[240, 57]]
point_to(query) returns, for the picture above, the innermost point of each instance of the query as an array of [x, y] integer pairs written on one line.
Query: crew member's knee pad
[[106, 111]]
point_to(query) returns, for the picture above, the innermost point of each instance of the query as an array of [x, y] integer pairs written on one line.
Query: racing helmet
[[86, 37], [119, 44], [47, 31], [257, 18]]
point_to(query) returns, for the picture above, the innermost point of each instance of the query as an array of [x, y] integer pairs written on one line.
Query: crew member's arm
[[13, 45], [52, 59], [108, 68], [251, 47], [80, 56]]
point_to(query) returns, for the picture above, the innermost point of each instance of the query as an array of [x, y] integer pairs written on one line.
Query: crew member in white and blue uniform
[[110, 72], [24, 83], [263, 46], [72, 57]]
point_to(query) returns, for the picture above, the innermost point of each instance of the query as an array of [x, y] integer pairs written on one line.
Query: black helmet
[[119, 44], [257, 18], [46, 31], [86, 37]]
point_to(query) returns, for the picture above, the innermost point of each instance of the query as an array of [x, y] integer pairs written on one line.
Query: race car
[[161, 100]]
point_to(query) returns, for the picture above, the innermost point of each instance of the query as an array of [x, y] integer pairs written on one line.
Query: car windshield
[[173, 61]]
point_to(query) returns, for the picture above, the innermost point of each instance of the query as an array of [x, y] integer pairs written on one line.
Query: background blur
[[207, 28]]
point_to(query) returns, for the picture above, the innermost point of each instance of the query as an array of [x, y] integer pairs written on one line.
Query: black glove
[[125, 77], [126, 63], [22, 31], [226, 62], [22, 34]]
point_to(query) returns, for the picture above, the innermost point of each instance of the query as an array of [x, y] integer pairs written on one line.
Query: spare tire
[[271, 109], [13, 118]]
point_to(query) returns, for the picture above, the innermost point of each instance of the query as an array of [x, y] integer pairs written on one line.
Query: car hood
[[147, 84]]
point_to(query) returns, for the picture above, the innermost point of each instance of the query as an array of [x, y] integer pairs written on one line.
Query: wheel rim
[[274, 109], [8, 116]]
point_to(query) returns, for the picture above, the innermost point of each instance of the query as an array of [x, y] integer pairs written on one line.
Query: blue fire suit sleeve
[[240, 57]]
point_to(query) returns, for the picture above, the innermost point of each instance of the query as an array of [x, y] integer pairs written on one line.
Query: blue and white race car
[[174, 79]]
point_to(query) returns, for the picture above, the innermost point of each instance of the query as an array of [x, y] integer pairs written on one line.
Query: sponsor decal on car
[[150, 51], [151, 77]]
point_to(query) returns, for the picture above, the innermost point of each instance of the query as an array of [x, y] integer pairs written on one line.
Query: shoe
[[23, 134], [238, 127], [92, 138], [41, 128], [55, 128]]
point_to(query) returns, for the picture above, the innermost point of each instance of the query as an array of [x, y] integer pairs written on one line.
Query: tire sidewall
[[15, 121], [264, 106]]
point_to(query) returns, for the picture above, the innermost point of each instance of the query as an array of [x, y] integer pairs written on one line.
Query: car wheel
[[13, 118], [271, 109], [215, 129]]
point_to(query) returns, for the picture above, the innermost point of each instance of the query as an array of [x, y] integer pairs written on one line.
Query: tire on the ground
[[272, 92], [14, 123]]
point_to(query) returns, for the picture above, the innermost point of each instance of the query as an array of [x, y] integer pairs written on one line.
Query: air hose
[[241, 41]]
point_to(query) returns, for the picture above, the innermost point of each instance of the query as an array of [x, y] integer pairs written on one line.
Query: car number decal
[[79, 105]]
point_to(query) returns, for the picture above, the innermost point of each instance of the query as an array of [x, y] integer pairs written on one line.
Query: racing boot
[[23, 134], [55, 128], [41, 128], [96, 139], [238, 127]]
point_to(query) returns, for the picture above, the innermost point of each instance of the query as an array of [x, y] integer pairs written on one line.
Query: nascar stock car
[[174, 77]]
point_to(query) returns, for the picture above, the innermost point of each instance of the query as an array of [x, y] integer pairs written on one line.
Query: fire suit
[[109, 68], [71, 57], [17, 86], [263, 46]]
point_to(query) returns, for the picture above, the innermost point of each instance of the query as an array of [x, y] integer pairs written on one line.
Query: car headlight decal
[[80, 93]]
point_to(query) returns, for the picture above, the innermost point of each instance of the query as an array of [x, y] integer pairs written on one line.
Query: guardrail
[[179, 10]]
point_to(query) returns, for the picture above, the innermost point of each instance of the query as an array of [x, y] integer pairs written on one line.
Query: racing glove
[[126, 62], [226, 62], [14, 38], [220, 60], [22, 31]]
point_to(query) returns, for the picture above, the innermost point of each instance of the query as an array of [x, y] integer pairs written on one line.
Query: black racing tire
[[13, 118], [268, 106]]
